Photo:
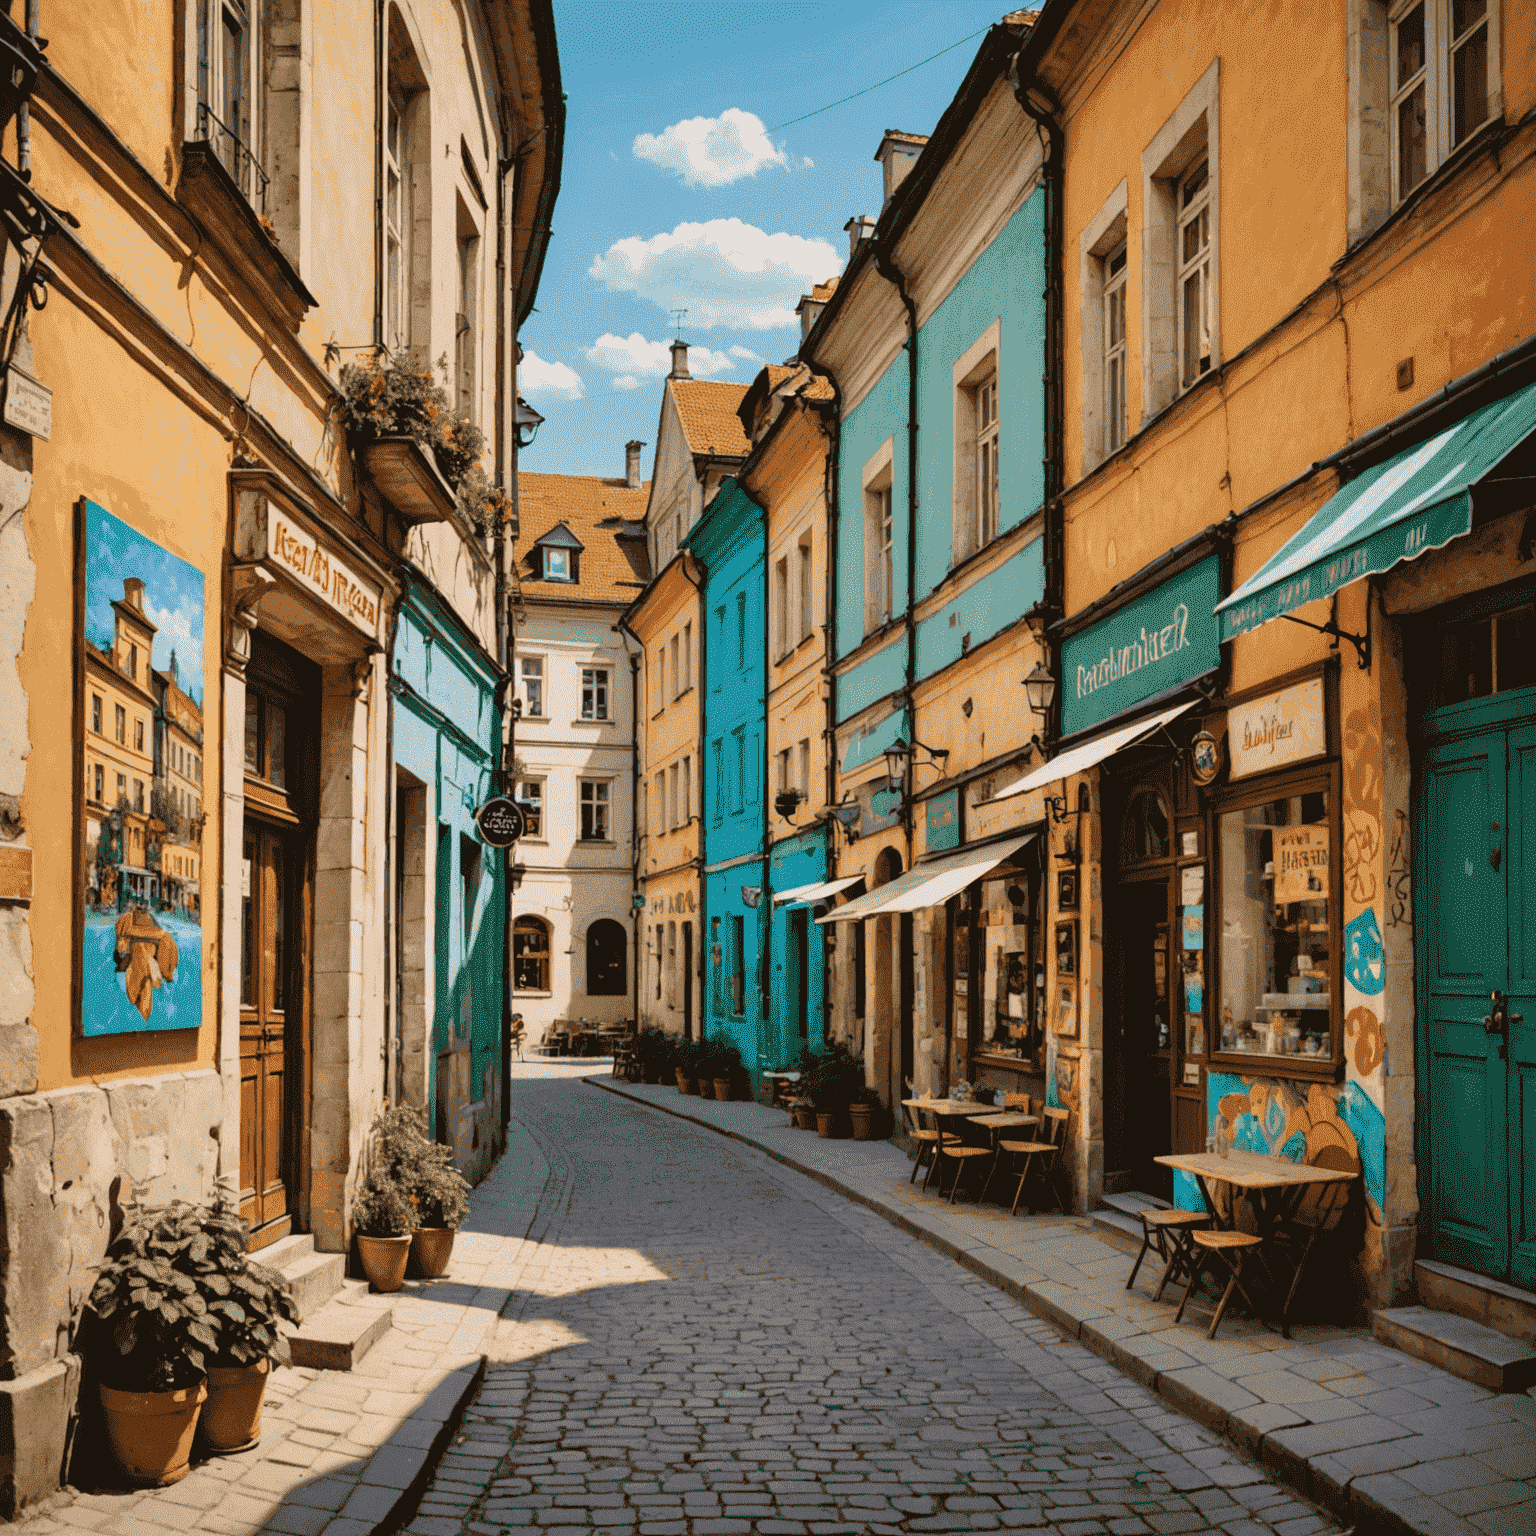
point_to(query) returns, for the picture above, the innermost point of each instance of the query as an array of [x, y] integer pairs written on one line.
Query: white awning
[[1090, 753], [929, 884], [809, 895]]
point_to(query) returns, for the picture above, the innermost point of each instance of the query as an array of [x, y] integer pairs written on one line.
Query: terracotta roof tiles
[[597, 510], [707, 409]]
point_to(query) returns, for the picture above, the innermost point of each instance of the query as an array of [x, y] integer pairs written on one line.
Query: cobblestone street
[[708, 1343]]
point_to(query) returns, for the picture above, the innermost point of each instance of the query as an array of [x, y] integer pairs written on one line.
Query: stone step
[[1489, 1302], [337, 1336], [313, 1277], [1115, 1227], [1459, 1345], [1129, 1203]]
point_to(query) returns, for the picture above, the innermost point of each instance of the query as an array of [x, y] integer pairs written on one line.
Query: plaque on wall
[[1277, 730]]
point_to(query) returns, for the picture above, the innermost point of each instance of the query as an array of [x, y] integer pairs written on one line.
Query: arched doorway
[[889, 944], [607, 970]]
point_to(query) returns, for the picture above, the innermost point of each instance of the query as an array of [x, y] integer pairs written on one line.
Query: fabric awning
[[1418, 501], [1090, 753], [809, 895], [928, 884]]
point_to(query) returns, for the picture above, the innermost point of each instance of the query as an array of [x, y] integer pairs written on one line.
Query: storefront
[[797, 870]]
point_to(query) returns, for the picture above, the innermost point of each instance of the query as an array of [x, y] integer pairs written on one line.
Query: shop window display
[[1009, 964], [1276, 937]]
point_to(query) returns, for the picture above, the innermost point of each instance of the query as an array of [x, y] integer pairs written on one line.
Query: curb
[[1356, 1507], [421, 1463]]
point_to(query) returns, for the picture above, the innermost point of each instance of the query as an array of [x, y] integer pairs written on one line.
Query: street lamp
[[1040, 689], [528, 421], [898, 755]]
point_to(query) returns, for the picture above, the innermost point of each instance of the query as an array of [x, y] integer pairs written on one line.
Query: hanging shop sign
[[1144, 649], [942, 817], [1204, 758], [500, 821], [1275, 731]]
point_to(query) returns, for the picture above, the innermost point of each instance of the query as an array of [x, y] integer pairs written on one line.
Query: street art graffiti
[[140, 700]]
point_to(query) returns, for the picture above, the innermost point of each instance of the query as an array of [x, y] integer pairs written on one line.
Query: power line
[[876, 86]]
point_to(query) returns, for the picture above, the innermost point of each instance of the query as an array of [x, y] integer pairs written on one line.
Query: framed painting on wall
[[139, 783]]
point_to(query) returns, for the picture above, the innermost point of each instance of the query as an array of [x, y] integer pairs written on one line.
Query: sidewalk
[[348, 1453], [1374, 1435]]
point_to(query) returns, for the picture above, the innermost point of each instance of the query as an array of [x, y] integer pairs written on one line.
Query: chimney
[[133, 592], [809, 309], [632, 463], [897, 155], [679, 359], [860, 227]]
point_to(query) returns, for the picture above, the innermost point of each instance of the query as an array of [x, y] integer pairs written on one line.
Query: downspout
[[380, 95], [499, 554], [889, 271], [24, 112], [1038, 104], [635, 658], [704, 945], [831, 425], [764, 886]]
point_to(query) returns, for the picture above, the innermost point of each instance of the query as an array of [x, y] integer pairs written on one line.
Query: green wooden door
[[1477, 937]]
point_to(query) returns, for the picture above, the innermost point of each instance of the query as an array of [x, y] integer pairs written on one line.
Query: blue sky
[[680, 188], [173, 594]]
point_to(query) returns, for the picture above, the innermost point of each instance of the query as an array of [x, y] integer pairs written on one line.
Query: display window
[[1277, 939], [999, 965]]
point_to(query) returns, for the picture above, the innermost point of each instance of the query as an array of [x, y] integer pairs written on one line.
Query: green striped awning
[[1418, 501]]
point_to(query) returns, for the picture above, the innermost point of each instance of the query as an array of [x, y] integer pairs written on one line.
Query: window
[[877, 561], [803, 782], [138, 735], [594, 693], [676, 686], [530, 796], [1475, 658], [1441, 87], [660, 931], [803, 574], [533, 685], [99, 787], [471, 865], [672, 819], [96, 713], [781, 783], [557, 565], [224, 92], [984, 405], [1114, 351], [661, 802], [719, 756], [738, 767], [741, 631], [120, 724], [1277, 965], [685, 792], [687, 658], [138, 794], [396, 225], [122, 788], [465, 318], [671, 965], [594, 812], [266, 738], [786, 641], [1195, 275], [607, 959], [661, 681], [738, 965], [530, 954]]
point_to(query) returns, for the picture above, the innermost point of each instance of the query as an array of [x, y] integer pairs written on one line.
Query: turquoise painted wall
[[873, 678], [795, 862], [984, 609]]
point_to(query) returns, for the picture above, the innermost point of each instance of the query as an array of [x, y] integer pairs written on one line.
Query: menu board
[[1301, 864]]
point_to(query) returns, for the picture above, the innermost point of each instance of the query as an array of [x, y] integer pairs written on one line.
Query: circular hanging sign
[[1204, 757], [500, 821]]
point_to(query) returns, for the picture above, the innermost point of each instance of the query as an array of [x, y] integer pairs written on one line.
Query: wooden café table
[[942, 1110], [1274, 1188]]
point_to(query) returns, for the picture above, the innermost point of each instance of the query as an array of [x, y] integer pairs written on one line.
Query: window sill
[[594, 842], [519, 992], [1321, 1069], [528, 719], [583, 720]]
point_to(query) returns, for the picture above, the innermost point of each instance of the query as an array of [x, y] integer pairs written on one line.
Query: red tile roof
[[609, 520], [707, 410]]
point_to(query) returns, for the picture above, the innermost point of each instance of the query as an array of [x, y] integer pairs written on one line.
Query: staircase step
[[337, 1336], [1459, 1345], [1489, 1302], [313, 1277], [1115, 1227], [1131, 1202]]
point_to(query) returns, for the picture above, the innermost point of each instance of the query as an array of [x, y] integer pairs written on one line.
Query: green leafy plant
[[657, 1052], [832, 1076], [405, 1156], [722, 1059], [380, 1207], [693, 1059]]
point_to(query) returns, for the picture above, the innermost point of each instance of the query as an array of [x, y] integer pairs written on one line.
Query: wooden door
[[1520, 1040], [1138, 1090], [271, 1014]]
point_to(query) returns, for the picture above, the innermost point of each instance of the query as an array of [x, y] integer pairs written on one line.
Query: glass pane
[[1517, 648], [252, 732], [1194, 184], [277, 745], [1191, 327], [1412, 161], [247, 921], [1191, 240], [279, 920], [1276, 935], [1465, 662], [1466, 13], [1410, 46], [1469, 75]]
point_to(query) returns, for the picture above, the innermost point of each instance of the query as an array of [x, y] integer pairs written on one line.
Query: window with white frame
[[532, 669], [530, 796], [878, 530], [662, 824], [1439, 54], [782, 637], [557, 565], [397, 227], [803, 580], [676, 689], [594, 811], [984, 459], [594, 693], [1195, 275], [685, 656], [672, 820], [1114, 350], [781, 771], [224, 97], [465, 317]]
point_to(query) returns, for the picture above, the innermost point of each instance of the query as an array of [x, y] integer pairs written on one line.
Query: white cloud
[[179, 629], [632, 359], [723, 272], [535, 377], [746, 354], [712, 151]]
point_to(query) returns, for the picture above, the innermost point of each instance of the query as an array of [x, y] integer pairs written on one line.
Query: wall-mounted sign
[[942, 818], [500, 821], [1148, 647], [28, 404], [1204, 757], [1280, 729]]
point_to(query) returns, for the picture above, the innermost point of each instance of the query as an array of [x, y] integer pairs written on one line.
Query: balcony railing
[[234, 156]]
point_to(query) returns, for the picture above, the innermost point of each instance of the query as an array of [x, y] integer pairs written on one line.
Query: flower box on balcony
[[409, 480]]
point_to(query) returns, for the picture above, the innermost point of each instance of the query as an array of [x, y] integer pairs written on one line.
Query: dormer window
[[557, 556], [557, 565]]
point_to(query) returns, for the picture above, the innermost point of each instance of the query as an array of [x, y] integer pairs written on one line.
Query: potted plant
[[690, 1061], [383, 1220], [725, 1069], [656, 1056], [863, 1111], [149, 1337], [441, 1196], [831, 1080]]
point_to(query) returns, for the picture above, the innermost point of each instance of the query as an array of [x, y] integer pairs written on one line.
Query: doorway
[[687, 981], [800, 949], [1475, 937]]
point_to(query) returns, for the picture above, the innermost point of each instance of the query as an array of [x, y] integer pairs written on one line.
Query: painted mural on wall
[[142, 768]]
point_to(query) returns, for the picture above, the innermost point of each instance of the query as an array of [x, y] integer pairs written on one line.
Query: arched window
[[606, 948], [1145, 832], [530, 954]]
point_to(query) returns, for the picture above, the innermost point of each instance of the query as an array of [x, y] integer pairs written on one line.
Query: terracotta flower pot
[[384, 1260], [706, 1087], [151, 1432], [827, 1123], [232, 1418], [682, 1082], [431, 1249], [723, 1089], [863, 1118]]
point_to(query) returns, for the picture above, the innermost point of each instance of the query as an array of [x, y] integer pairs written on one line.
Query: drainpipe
[[380, 95], [831, 424], [698, 586], [499, 541], [764, 887], [24, 112], [890, 272], [635, 658], [1041, 107]]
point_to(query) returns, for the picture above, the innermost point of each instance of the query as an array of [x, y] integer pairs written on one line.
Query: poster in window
[[140, 652], [1301, 864], [1066, 950]]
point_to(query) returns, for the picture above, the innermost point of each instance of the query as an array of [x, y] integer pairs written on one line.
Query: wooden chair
[[1013, 1103], [1232, 1249], [925, 1141], [1042, 1156], [1169, 1232], [961, 1155], [517, 1036]]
